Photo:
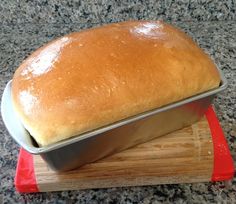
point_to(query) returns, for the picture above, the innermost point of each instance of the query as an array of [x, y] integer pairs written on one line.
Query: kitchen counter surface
[[218, 38]]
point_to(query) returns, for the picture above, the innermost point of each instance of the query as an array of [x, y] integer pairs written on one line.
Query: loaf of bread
[[89, 79]]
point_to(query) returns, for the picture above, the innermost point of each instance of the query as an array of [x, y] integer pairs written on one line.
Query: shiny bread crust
[[89, 79]]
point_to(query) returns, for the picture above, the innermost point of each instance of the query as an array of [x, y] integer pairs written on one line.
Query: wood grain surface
[[184, 156]]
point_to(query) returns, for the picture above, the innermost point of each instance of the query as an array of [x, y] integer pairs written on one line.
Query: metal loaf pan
[[94, 145]]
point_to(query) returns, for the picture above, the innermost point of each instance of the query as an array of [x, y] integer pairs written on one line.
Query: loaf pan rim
[[41, 150]]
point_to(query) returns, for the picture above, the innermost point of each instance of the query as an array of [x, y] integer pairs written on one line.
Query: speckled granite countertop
[[21, 33]]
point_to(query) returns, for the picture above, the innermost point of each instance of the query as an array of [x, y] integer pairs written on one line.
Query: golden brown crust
[[89, 79]]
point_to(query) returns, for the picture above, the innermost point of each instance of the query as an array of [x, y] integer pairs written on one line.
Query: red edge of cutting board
[[223, 162], [25, 181]]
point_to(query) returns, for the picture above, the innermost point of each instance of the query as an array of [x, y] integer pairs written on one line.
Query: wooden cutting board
[[184, 156]]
